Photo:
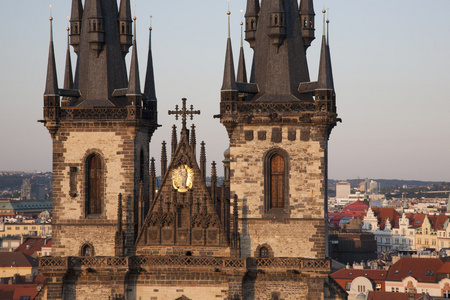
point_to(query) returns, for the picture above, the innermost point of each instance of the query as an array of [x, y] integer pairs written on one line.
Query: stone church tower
[[279, 124], [101, 125], [261, 235]]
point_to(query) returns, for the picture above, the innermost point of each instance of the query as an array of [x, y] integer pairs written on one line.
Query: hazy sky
[[391, 69]]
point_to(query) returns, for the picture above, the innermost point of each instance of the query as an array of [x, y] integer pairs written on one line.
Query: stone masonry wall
[[302, 232], [74, 142]]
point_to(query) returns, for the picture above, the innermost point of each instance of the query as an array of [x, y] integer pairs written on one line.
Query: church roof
[[422, 269]]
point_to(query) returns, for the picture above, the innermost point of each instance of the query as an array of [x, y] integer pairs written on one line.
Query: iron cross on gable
[[184, 112]]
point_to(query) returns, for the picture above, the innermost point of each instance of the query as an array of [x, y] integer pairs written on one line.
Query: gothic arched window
[[94, 184], [277, 181]]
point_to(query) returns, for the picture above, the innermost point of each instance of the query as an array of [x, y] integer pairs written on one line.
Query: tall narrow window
[[277, 181], [94, 185]]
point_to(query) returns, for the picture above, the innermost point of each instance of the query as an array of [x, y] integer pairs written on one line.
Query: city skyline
[[390, 69]]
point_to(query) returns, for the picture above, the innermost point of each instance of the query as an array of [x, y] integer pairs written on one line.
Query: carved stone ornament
[[182, 178]]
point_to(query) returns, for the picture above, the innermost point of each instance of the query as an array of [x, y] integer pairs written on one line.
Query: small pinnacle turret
[[51, 86], [242, 71], [68, 77], [75, 24], [125, 25], [251, 21], [277, 23], [96, 26], [229, 90], [307, 15], [134, 83]]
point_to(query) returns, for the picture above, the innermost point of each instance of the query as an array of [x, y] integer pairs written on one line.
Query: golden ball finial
[[242, 23], [51, 19], [228, 13], [150, 28], [324, 11], [67, 28], [328, 21], [134, 18]]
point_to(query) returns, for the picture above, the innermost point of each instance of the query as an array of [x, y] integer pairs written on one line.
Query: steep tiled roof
[[378, 295], [445, 268], [357, 205], [31, 245], [17, 259], [15, 291], [353, 273], [423, 269], [383, 213]]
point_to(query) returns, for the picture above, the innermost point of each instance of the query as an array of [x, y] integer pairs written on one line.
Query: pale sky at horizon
[[390, 61]]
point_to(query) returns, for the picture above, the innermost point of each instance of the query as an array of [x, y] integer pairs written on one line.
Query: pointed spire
[[174, 140], [152, 180], [242, 72], [214, 182], [325, 80], [229, 81], [149, 88], [193, 141], [134, 83], [68, 75], [203, 159], [51, 86], [163, 159]]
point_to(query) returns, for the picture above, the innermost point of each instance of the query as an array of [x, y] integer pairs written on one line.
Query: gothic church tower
[[101, 125], [279, 133]]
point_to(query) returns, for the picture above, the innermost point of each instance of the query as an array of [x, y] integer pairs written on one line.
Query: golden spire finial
[[51, 15], [151, 22], [242, 29], [68, 23], [229, 13], [134, 12]]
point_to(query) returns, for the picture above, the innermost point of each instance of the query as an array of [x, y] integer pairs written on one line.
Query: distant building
[[25, 191]]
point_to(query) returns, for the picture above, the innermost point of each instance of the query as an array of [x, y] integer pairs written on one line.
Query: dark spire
[[134, 83], [214, 182], [125, 25], [307, 14], [325, 80], [51, 86], [193, 141], [251, 21], [68, 77], [163, 159], [285, 50], [152, 180], [203, 159], [174, 140], [229, 79], [149, 88], [103, 65], [242, 72], [75, 23]]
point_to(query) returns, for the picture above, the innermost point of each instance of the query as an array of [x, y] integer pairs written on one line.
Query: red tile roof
[[356, 206], [17, 259], [353, 273], [383, 213], [423, 269], [32, 245], [15, 291], [378, 295], [445, 268]]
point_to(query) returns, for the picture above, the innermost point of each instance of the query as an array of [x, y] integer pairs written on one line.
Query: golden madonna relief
[[182, 178]]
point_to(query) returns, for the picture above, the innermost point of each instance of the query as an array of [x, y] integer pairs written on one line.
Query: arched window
[[277, 181], [276, 170], [87, 250], [263, 252], [94, 185]]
